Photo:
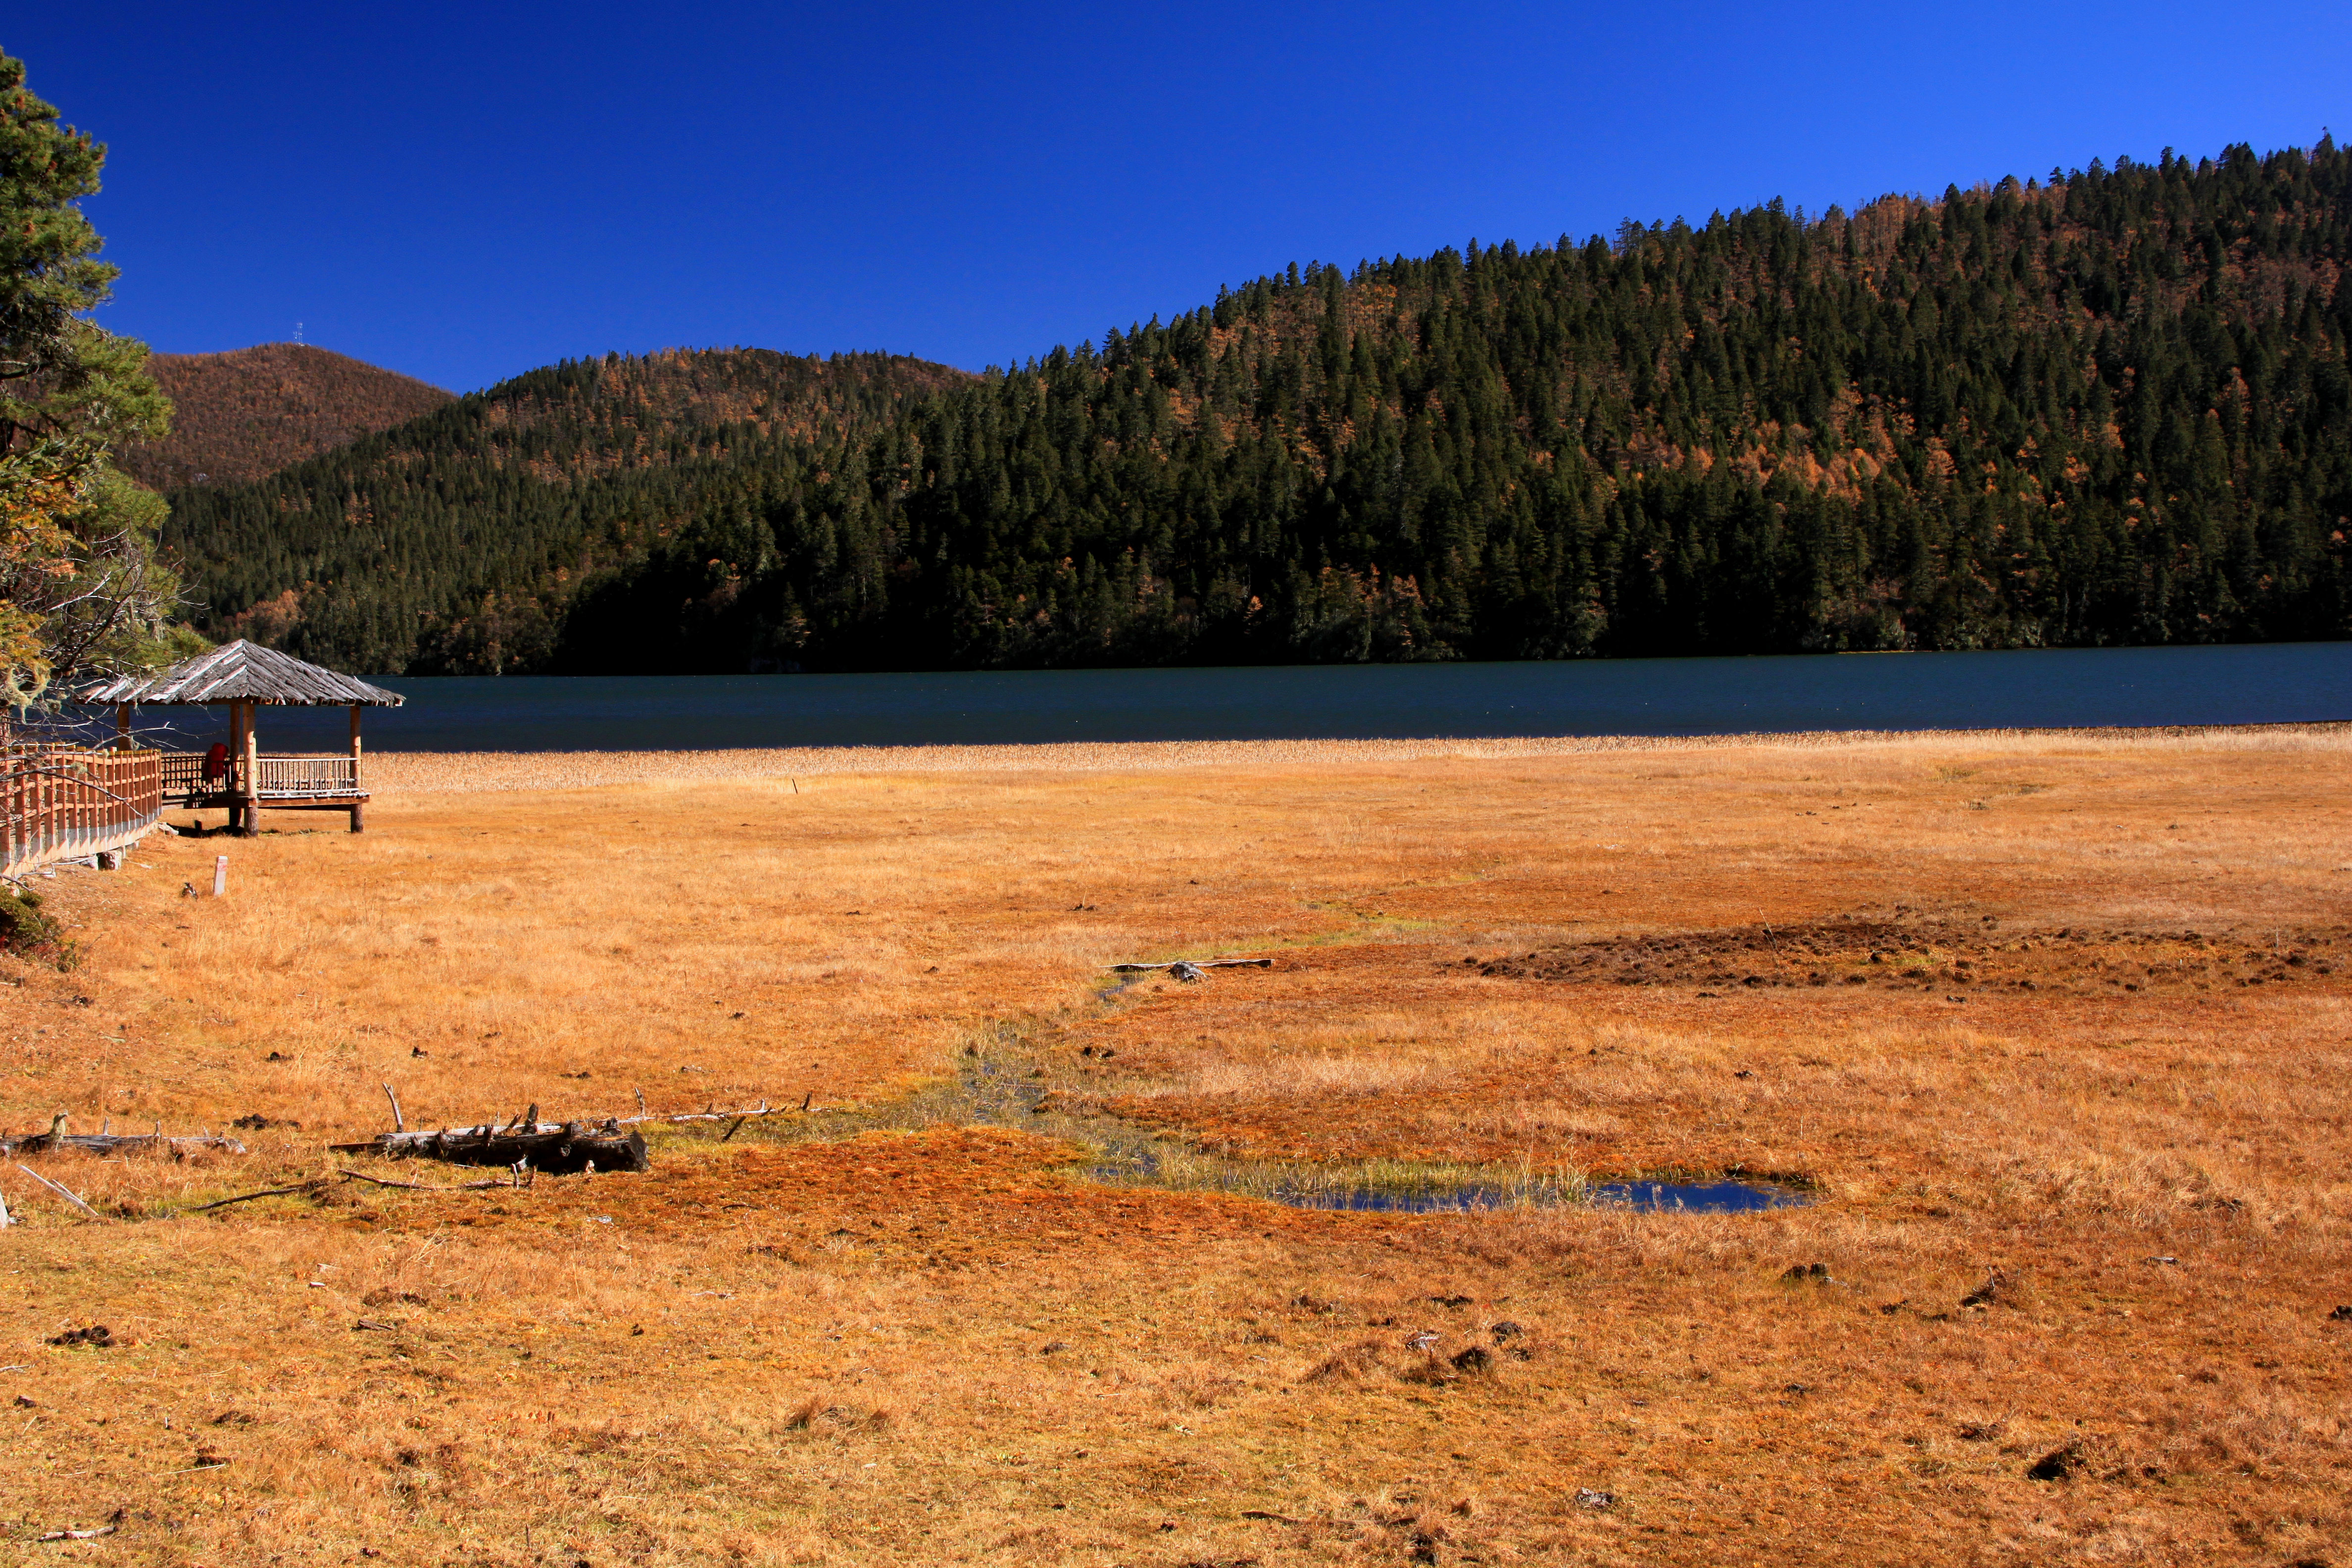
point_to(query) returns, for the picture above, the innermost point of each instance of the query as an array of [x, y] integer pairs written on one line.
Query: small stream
[[1012, 1090]]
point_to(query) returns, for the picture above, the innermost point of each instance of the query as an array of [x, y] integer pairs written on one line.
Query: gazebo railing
[[60, 803], [184, 773], [286, 777], [278, 776]]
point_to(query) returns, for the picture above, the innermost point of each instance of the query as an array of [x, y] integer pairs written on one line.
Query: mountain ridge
[[2112, 408], [521, 488], [244, 413]]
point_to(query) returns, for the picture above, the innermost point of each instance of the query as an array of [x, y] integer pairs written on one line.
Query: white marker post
[[220, 876]]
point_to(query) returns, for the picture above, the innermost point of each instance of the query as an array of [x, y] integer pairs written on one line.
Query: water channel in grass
[[1012, 1088]]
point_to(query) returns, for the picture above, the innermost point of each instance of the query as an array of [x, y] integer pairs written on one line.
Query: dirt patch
[[1932, 953]]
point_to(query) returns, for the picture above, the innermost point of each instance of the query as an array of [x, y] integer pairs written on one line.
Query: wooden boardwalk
[[64, 803]]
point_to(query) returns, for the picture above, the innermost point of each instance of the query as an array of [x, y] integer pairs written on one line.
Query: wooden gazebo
[[241, 676]]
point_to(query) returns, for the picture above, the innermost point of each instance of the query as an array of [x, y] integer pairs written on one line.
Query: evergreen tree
[[79, 588]]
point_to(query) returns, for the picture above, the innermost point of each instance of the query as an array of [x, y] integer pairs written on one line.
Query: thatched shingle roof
[[244, 672]]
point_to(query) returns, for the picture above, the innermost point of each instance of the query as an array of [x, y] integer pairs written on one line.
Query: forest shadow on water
[[2027, 689]]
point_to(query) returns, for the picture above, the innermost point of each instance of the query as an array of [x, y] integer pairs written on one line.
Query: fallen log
[[527, 1144], [107, 1143], [560, 1148], [1189, 969]]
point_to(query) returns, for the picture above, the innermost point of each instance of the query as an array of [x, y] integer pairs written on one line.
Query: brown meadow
[[2056, 1026]]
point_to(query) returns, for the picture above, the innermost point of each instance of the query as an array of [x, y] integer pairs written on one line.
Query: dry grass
[[941, 1345]]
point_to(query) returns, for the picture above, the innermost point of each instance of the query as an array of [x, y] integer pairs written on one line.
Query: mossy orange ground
[[946, 1345]]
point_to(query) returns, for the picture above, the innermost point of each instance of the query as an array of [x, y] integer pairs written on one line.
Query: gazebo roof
[[244, 672]]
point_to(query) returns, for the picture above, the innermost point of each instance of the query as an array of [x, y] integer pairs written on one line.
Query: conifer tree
[[79, 586]]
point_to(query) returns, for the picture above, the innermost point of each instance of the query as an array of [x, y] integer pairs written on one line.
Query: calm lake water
[[2058, 687]]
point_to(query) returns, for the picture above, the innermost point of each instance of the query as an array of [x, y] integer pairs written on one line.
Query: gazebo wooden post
[[359, 821], [252, 754], [229, 786], [122, 726]]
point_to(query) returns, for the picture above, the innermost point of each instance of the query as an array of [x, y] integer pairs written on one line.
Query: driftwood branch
[[399, 1123], [61, 1192], [78, 1534]]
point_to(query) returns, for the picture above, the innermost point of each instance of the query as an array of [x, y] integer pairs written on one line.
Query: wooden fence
[[58, 802]]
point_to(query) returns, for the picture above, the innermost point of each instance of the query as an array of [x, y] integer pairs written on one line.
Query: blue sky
[[462, 193]]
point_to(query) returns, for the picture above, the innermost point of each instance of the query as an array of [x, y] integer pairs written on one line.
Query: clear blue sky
[[464, 192]]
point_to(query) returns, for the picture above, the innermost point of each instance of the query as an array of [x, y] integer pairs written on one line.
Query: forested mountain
[[2113, 407], [241, 415], [455, 540]]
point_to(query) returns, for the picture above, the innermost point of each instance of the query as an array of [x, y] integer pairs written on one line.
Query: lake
[[2265, 684]]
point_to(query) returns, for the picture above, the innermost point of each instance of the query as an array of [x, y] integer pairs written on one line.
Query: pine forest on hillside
[[2110, 409]]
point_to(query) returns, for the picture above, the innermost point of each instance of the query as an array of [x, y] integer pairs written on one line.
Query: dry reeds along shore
[[2055, 1026]]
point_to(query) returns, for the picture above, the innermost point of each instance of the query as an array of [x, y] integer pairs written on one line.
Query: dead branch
[[311, 1186], [1194, 963], [512, 1181], [61, 1192], [735, 1116]]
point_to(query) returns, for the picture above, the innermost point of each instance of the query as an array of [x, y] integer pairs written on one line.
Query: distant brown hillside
[[248, 413]]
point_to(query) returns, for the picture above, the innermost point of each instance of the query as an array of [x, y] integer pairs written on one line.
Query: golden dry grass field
[[2056, 1025]]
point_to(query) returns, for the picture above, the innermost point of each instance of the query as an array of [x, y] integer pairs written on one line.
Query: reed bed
[[468, 772]]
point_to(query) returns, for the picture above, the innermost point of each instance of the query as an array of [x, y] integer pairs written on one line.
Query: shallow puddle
[[1687, 1197], [1696, 1197]]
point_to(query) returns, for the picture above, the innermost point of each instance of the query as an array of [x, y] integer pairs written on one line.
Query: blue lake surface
[[2265, 684]]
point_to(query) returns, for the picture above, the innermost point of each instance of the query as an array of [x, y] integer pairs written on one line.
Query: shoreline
[[427, 772]]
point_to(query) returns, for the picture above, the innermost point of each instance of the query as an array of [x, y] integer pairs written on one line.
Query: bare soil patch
[[1924, 953]]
